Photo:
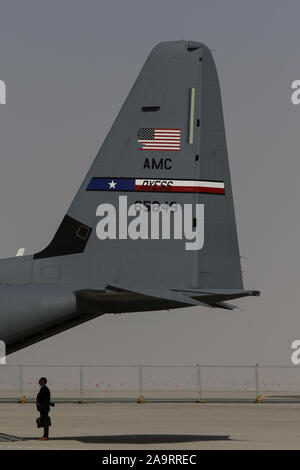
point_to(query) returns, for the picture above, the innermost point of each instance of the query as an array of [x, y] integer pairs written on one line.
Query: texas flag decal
[[156, 185]]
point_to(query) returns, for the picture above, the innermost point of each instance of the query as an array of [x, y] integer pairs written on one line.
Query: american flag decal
[[158, 139]]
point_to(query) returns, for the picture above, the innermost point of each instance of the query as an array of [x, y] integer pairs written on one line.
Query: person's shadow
[[141, 438]]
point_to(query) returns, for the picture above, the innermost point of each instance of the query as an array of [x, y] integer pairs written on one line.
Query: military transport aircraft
[[152, 226]]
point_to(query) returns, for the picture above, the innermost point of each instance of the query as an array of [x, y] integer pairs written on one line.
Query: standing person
[[43, 406]]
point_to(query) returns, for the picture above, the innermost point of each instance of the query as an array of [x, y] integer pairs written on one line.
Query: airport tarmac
[[154, 426]]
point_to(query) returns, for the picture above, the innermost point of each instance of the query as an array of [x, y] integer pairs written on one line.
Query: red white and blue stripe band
[[155, 185]]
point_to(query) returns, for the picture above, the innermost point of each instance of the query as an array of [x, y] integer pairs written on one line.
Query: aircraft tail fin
[[165, 154]]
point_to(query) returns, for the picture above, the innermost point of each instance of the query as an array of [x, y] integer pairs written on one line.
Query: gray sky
[[68, 66]]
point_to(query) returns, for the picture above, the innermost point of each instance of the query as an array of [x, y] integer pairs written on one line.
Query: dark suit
[[43, 406]]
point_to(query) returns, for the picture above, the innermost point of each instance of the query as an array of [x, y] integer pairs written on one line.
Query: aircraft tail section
[[156, 205]]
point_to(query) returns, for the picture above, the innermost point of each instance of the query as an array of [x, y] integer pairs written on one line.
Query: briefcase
[[45, 422]]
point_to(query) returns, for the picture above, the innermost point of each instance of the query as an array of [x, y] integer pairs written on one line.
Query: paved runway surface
[[154, 426]]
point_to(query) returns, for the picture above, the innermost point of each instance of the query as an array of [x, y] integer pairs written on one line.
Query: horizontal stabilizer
[[118, 298], [223, 305], [219, 294], [164, 294]]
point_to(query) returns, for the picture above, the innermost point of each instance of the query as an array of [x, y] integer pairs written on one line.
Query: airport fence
[[153, 382]]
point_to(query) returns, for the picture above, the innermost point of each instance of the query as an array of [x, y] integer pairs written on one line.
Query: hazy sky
[[68, 66]]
